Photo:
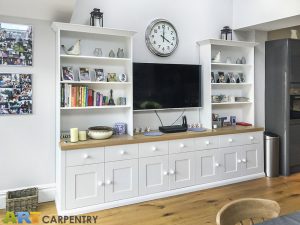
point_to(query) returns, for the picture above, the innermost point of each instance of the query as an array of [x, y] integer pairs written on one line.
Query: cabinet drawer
[[254, 138], [153, 149], [85, 156], [234, 140], [121, 152], [206, 143], [183, 145]]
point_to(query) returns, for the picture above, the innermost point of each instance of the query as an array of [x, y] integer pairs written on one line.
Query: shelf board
[[97, 107], [230, 43], [95, 82], [231, 103], [84, 57], [230, 84], [231, 64]]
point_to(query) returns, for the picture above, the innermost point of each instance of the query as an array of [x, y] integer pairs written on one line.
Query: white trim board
[[150, 197], [46, 193]]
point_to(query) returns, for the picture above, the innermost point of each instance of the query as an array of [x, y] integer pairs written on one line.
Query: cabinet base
[[150, 197]]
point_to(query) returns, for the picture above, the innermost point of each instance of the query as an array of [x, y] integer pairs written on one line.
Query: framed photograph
[[112, 77], [99, 75], [15, 93], [15, 44], [122, 77], [67, 73], [221, 77], [231, 78], [84, 74]]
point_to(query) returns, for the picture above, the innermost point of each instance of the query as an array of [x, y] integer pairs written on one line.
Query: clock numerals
[[155, 31]]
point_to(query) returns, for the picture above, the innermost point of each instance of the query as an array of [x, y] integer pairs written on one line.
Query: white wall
[[249, 13], [27, 151], [194, 20]]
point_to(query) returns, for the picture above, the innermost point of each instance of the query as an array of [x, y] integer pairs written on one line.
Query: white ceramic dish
[[100, 133]]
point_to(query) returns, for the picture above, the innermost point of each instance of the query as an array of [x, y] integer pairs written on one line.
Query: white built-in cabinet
[[100, 176]]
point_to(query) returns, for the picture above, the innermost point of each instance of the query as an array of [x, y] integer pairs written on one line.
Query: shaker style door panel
[[230, 162], [252, 159], [182, 170], [84, 185], [153, 175], [207, 166], [121, 180]]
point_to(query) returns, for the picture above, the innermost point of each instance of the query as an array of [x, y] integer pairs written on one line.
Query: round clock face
[[161, 38]]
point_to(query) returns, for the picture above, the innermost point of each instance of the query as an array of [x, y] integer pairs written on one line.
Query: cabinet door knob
[[108, 182], [172, 172], [207, 142], [122, 152], [154, 148], [251, 138], [85, 156], [100, 183], [217, 164], [239, 161], [181, 145], [244, 160], [230, 140], [165, 173]]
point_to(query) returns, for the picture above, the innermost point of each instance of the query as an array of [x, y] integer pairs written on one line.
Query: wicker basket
[[25, 200]]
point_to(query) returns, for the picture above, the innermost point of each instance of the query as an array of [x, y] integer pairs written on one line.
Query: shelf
[[230, 65], [83, 57], [230, 84], [230, 43], [95, 82], [231, 103], [97, 107]]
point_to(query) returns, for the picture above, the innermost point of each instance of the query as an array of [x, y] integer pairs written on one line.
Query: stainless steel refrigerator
[[282, 100]]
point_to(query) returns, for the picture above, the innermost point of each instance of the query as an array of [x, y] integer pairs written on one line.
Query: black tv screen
[[164, 86]]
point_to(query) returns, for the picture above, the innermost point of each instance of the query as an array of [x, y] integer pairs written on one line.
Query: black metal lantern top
[[96, 18], [226, 33]]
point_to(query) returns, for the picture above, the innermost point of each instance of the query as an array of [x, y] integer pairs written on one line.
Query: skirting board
[[150, 197], [46, 193]]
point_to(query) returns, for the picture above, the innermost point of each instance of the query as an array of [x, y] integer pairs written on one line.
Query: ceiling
[[53, 10]]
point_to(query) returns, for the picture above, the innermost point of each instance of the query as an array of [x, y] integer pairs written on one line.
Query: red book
[[90, 97]]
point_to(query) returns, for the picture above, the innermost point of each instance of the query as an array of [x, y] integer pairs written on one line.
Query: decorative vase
[[120, 53], [112, 54], [217, 58], [243, 60]]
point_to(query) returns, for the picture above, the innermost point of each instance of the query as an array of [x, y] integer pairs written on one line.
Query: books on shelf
[[81, 96]]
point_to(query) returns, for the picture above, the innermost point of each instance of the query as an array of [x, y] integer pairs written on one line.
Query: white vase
[[294, 34]]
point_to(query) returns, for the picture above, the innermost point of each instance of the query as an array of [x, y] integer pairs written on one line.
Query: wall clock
[[161, 38]]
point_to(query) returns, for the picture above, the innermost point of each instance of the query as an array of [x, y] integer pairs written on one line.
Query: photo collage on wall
[[15, 93], [15, 50]]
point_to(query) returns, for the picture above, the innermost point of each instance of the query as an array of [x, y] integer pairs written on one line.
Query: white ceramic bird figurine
[[73, 50]]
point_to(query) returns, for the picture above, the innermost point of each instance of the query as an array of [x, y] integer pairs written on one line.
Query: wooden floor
[[198, 207]]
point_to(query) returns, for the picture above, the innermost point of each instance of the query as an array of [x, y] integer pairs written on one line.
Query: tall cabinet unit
[[69, 175], [233, 50]]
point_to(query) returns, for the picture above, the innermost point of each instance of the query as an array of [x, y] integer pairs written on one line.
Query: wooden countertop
[[140, 138]]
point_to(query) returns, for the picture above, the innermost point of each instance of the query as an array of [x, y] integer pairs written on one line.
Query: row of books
[[81, 96]]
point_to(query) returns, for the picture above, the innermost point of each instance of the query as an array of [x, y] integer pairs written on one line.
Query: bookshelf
[[244, 111]]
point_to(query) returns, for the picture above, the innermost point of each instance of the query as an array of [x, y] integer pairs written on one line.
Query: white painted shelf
[[230, 84], [230, 65], [95, 82], [231, 103], [97, 107], [84, 57], [230, 43]]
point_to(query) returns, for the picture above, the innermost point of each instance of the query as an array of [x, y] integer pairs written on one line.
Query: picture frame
[[112, 77], [122, 77], [16, 45], [99, 75], [84, 74], [67, 73]]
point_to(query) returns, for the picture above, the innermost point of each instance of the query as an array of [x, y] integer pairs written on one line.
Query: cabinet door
[[207, 166], [252, 159], [230, 162], [84, 185], [182, 170], [153, 175], [121, 180]]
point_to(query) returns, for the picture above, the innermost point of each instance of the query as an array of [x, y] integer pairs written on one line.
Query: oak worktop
[[140, 138]]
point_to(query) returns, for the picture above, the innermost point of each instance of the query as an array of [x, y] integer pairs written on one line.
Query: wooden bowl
[[100, 132]]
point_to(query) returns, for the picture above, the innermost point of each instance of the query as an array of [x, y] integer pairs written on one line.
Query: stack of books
[[81, 96]]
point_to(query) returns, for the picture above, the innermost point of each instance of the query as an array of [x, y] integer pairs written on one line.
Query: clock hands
[[165, 38]]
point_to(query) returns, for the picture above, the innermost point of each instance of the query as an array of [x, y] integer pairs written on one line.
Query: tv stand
[[173, 129]]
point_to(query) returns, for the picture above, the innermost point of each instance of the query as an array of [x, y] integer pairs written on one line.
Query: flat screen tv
[[166, 86]]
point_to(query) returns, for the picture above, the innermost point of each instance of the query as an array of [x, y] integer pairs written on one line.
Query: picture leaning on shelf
[[230, 77]]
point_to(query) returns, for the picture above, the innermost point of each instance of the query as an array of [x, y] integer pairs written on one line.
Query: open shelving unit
[[244, 111]]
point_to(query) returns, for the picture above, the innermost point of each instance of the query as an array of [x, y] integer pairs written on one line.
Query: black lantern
[[226, 33], [96, 18]]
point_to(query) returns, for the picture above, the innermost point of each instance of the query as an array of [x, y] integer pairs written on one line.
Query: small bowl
[[100, 132]]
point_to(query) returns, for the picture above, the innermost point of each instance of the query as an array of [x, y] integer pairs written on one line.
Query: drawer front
[[85, 156], [153, 149], [254, 138], [234, 140], [204, 143], [183, 145], [121, 152]]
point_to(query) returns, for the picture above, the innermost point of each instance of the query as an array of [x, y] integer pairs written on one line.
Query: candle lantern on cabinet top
[[96, 18], [226, 33]]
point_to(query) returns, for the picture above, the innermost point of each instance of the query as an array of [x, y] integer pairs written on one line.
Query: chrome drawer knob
[[181, 145], [154, 148], [172, 172], [100, 183], [217, 164], [122, 152], [230, 140], [251, 138], [239, 161], [207, 142], [86, 156], [165, 173], [108, 182], [244, 160]]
